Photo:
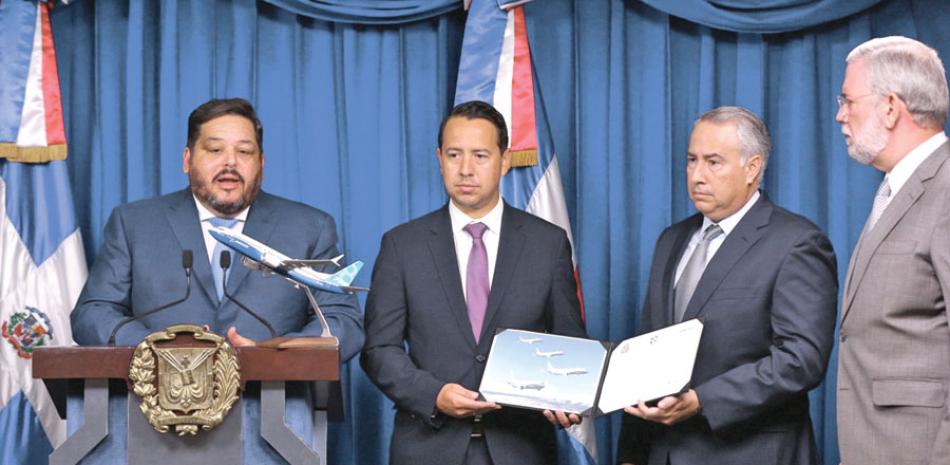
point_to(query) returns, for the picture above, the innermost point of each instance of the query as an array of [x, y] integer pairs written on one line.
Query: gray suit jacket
[[417, 299], [768, 300], [139, 268], [894, 350]]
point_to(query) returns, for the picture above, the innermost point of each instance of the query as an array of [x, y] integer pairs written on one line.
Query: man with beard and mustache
[[894, 344], [139, 266]]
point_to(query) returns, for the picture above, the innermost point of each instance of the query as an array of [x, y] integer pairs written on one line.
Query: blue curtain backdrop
[[351, 113]]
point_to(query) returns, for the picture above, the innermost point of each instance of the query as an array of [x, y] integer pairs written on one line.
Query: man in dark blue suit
[[764, 282], [140, 267], [443, 284]]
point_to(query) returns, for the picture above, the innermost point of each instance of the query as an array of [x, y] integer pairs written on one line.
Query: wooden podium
[[95, 366]]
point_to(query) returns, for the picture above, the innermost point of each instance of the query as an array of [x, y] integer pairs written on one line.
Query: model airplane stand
[[91, 370]]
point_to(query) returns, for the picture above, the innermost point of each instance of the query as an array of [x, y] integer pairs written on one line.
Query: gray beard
[[868, 142]]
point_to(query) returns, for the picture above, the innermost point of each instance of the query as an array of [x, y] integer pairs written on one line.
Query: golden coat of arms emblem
[[185, 386]]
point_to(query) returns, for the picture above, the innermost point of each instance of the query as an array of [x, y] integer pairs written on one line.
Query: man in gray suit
[[443, 284], [894, 349], [763, 280]]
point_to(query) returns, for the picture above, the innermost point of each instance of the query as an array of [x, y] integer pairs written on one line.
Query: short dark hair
[[219, 107], [476, 109]]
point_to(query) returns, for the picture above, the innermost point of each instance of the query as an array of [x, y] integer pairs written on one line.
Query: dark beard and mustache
[[205, 195]]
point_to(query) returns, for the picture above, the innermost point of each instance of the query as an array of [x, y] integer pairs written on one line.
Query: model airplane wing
[[298, 263]]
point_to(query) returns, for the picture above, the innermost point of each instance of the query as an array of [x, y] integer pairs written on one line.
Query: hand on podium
[[237, 340]]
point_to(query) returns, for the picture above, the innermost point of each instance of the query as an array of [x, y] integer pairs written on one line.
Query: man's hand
[[669, 411], [456, 401], [564, 420], [237, 340]]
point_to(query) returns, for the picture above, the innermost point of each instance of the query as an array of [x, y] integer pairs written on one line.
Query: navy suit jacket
[[417, 298], [139, 268], [768, 301]]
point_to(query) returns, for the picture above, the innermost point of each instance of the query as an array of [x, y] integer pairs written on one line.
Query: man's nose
[[696, 173], [466, 164], [842, 114], [230, 157]]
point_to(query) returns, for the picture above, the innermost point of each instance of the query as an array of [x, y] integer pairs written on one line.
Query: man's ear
[[892, 108], [185, 159], [438, 155], [505, 162], [753, 166]]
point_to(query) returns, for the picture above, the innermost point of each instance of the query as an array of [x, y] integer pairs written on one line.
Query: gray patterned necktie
[[880, 203], [683, 291]]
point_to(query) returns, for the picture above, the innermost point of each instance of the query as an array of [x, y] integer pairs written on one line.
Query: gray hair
[[750, 130], [912, 71]]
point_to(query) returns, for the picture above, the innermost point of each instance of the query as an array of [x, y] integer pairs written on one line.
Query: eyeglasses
[[845, 102]]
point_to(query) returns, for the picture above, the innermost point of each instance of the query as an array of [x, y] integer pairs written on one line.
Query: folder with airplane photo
[[586, 376]]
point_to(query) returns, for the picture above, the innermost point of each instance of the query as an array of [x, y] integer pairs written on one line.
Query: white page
[[651, 365]]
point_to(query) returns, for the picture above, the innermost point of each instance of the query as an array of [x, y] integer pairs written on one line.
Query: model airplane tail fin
[[346, 276]]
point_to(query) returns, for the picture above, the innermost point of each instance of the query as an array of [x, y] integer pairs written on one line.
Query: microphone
[[225, 264], [187, 260]]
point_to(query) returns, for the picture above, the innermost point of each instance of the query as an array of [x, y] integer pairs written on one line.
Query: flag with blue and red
[[42, 265]]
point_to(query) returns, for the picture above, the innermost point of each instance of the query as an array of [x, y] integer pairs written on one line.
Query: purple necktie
[[476, 278]]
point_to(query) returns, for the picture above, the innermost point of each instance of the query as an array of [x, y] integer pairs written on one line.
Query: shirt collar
[[730, 222], [907, 165], [492, 219], [204, 214]]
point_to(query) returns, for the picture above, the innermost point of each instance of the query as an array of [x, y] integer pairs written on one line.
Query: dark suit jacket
[[417, 298], [768, 300], [139, 268]]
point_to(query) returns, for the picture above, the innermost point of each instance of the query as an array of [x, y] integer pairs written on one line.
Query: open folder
[[586, 376]]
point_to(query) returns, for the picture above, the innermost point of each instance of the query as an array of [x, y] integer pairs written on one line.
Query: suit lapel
[[680, 242], [260, 225], [183, 217], [510, 243], [905, 198], [737, 243], [442, 250]]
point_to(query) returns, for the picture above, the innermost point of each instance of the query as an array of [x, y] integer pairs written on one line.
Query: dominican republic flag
[[495, 67], [42, 265]]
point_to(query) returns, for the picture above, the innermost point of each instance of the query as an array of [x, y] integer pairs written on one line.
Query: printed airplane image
[[543, 371], [553, 353], [261, 257], [525, 385], [565, 371]]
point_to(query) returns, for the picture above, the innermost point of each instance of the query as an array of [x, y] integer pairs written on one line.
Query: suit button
[[480, 358], [844, 337]]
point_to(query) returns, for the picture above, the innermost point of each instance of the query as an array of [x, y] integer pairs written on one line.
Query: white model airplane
[[258, 256], [565, 371], [261, 257], [553, 353], [530, 340]]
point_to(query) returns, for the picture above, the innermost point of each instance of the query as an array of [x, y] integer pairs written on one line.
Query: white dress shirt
[[463, 240], [902, 171], [204, 215], [727, 224]]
